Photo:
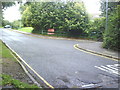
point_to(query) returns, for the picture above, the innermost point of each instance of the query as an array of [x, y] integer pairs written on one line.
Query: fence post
[[42, 31]]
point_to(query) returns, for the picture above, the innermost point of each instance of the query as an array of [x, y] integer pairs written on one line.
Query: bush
[[111, 35], [96, 29], [70, 18], [17, 24], [5, 22]]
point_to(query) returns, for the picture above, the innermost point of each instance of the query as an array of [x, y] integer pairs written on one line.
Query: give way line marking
[[112, 69]]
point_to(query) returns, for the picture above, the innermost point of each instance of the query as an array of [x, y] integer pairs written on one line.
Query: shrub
[[70, 18], [96, 29], [112, 34]]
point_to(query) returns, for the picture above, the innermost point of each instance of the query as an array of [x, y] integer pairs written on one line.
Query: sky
[[12, 13], [93, 7]]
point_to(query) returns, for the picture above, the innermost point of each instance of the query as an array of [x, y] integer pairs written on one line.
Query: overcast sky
[[93, 7], [12, 13]]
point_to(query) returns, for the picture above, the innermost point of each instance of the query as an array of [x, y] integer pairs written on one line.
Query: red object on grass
[[51, 30]]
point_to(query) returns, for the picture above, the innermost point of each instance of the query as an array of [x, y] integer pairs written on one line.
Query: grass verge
[[26, 29], [13, 76], [8, 80]]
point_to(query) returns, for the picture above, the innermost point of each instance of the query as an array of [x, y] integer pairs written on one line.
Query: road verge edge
[[96, 53], [20, 61]]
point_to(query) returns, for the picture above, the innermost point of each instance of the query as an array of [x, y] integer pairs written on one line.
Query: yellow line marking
[[31, 68], [38, 75], [93, 53], [74, 47], [25, 70], [41, 76]]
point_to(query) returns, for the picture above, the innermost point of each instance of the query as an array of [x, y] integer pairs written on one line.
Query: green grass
[[8, 80], [5, 52], [26, 29]]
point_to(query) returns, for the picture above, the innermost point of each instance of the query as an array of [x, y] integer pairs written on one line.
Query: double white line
[[112, 69]]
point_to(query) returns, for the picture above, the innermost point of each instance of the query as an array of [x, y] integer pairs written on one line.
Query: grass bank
[[44, 33], [8, 80], [13, 76], [26, 29]]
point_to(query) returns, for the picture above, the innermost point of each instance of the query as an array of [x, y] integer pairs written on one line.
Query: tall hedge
[[112, 35], [69, 18], [96, 29]]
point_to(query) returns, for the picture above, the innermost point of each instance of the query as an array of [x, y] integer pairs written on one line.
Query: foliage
[[5, 22], [8, 80], [111, 7], [7, 4], [111, 35], [96, 29], [17, 24], [3, 6], [69, 18], [26, 16]]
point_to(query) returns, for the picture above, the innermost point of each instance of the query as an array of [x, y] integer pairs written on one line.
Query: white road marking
[[102, 69], [112, 69], [88, 85]]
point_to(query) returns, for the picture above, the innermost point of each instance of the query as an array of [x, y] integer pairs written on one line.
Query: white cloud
[[12, 13]]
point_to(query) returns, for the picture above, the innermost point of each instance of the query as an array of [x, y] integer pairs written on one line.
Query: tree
[[111, 36], [7, 4], [5, 22], [96, 29], [112, 32], [111, 7], [16, 24], [26, 16], [4, 5], [69, 17]]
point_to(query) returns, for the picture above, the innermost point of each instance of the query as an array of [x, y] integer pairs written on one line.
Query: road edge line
[[40, 77], [95, 53], [30, 76]]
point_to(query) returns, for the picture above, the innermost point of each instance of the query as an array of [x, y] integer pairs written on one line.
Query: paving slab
[[97, 47]]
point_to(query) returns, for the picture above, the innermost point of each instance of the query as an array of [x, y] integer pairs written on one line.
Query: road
[[59, 63]]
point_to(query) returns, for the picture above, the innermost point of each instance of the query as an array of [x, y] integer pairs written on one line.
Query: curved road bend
[[59, 63]]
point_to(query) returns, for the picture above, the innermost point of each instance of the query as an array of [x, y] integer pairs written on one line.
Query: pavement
[[60, 64], [96, 47]]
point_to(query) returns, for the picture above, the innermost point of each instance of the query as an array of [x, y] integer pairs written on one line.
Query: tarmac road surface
[[60, 64]]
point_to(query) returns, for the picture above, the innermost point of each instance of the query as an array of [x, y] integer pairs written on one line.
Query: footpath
[[96, 48]]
